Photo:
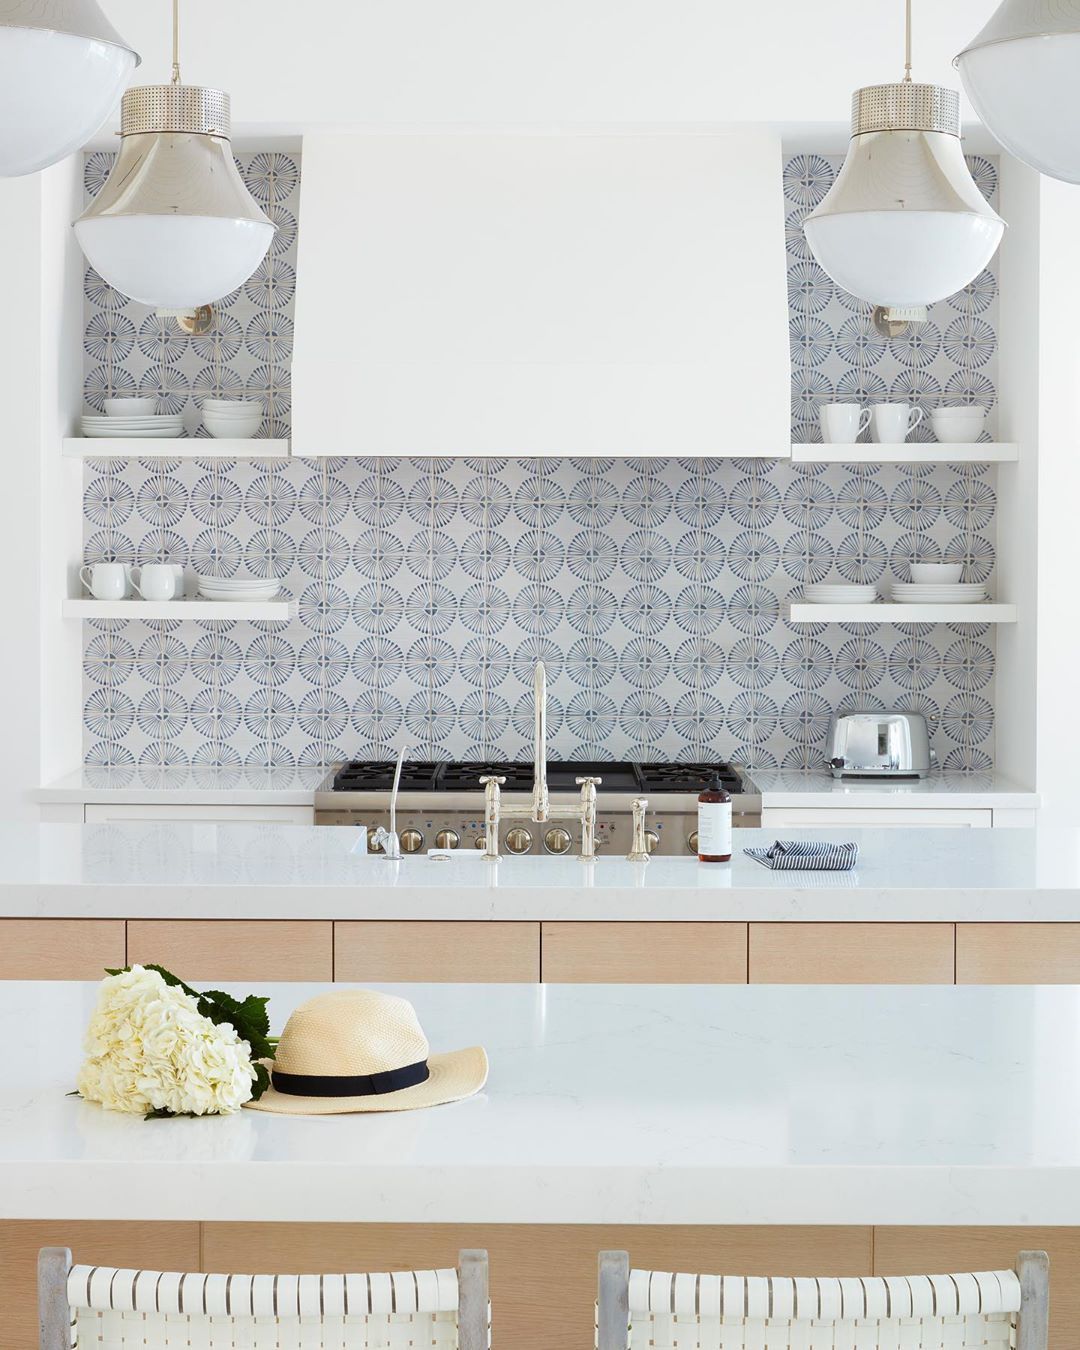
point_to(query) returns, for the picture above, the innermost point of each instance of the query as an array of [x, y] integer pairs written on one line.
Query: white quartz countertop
[[605, 1104], [297, 787], [229, 871]]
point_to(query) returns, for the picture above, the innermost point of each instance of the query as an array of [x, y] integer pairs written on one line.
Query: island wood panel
[[437, 951], [907, 1251], [60, 949], [160, 1246], [543, 1276], [643, 953], [1018, 953], [852, 953], [235, 949]]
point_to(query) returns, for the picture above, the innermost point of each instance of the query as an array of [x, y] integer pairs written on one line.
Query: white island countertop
[[211, 871], [606, 1104]]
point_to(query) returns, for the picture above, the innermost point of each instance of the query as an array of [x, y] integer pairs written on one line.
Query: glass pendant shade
[[62, 70], [174, 226], [1021, 73], [905, 223]]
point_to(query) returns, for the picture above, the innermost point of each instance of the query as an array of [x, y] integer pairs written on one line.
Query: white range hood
[[541, 294]]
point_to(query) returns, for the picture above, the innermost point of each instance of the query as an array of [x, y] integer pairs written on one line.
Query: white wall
[[1058, 523], [561, 61]]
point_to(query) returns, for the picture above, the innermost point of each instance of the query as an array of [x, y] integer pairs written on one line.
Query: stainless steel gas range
[[441, 805]]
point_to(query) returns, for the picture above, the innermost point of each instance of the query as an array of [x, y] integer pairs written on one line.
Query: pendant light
[[1021, 73], [174, 226], [62, 68], [904, 224]]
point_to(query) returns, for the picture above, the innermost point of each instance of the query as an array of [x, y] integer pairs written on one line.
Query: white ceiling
[[291, 66]]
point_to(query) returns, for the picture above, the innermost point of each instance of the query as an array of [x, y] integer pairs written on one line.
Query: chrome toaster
[[879, 745]]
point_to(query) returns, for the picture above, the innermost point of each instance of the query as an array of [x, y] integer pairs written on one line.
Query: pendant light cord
[[907, 41], [176, 39]]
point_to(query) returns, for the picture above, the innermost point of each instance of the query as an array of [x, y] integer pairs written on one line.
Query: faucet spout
[[540, 787]]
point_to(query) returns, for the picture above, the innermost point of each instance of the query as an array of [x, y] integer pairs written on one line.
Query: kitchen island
[[793, 1129], [275, 902]]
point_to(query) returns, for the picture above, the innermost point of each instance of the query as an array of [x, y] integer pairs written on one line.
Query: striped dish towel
[[795, 857]]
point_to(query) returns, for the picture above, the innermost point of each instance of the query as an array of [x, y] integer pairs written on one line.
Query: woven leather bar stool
[[987, 1310], [101, 1308]]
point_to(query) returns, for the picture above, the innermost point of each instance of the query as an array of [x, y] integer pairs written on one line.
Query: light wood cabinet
[[235, 949], [60, 949], [906, 1251], [643, 953], [543, 1277], [160, 1246], [851, 953], [442, 952], [1018, 953]]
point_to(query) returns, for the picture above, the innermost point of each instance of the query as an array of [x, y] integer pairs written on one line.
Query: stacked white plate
[[238, 588], [961, 593], [839, 593], [148, 425]]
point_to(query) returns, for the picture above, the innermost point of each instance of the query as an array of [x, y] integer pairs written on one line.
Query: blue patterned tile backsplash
[[426, 589]]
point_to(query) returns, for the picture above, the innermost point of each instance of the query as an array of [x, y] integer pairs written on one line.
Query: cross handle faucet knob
[[493, 778], [582, 781]]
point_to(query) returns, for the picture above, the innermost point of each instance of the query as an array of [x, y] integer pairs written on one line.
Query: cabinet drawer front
[[851, 953], [437, 951], [1018, 953], [104, 812], [644, 953], [914, 817], [235, 949], [60, 949]]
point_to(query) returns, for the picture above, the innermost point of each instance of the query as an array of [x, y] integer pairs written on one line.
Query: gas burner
[[687, 777], [369, 775], [466, 777]]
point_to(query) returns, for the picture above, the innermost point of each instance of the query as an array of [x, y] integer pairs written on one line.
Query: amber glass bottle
[[714, 824]]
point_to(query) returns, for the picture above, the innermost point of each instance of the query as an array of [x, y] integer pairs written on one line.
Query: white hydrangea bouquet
[[157, 1047]]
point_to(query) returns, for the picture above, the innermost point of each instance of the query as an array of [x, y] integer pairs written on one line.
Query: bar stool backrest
[[660, 1310], [103, 1308]]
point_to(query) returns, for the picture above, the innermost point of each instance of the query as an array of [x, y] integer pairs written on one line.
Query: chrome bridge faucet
[[541, 809]]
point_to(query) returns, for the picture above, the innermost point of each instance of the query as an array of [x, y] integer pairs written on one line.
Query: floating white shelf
[[165, 447], [889, 612], [187, 608], [907, 452]]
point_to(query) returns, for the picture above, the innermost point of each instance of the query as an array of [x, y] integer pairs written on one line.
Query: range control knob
[[447, 839], [557, 840], [412, 841], [372, 846], [480, 841], [518, 840], [692, 841], [652, 841]]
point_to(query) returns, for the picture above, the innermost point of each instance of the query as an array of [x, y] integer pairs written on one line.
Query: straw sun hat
[[359, 1050]]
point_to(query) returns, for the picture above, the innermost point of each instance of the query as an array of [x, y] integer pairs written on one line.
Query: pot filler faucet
[[541, 809]]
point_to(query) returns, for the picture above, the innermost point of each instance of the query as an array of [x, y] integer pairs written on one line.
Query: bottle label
[[714, 829]]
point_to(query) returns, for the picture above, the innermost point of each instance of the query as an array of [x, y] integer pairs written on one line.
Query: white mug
[[841, 423], [891, 422], [157, 581], [106, 580]]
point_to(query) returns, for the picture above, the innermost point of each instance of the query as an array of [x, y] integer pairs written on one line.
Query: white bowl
[[936, 574], [956, 426], [242, 428], [130, 407], [231, 405]]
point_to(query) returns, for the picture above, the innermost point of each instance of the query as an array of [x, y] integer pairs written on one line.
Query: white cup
[[105, 580], [157, 581], [841, 423], [891, 422]]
